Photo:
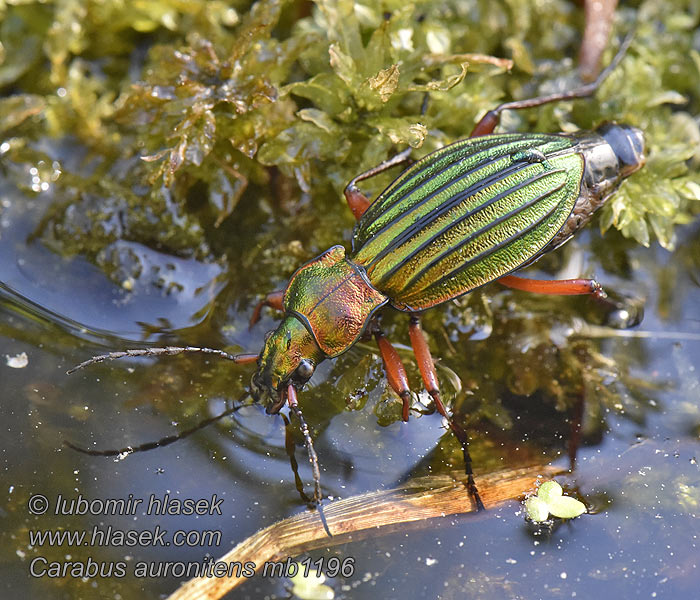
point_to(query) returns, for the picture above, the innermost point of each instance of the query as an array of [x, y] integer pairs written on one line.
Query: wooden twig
[[600, 15], [375, 513]]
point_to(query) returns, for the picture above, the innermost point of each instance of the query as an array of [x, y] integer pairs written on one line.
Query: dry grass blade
[[380, 512]]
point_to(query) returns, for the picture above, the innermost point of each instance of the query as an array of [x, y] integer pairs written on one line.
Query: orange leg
[[273, 300], [395, 372], [562, 287], [427, 371], [620, 314], [357, 201]]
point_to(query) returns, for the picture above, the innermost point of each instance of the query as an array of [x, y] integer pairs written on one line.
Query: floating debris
[[18, 361], [550, 500]]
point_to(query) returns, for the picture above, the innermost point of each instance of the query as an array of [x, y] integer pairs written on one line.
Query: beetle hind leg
[[488, 122], [622, 315], [555, 287], [427, 371]]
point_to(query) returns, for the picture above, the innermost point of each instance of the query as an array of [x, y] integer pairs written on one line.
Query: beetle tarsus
[[322, 516], [598, 291]]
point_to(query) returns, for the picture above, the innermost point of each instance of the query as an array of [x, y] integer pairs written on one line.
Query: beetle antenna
[[165, 441], [313, 457], [164, 351]]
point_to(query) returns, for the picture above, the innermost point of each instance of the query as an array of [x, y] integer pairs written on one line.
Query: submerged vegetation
[[146, 135]]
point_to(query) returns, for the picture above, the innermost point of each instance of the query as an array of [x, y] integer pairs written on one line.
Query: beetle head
[[290, 355]]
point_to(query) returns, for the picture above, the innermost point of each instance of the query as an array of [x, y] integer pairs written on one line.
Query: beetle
[[465, 215]]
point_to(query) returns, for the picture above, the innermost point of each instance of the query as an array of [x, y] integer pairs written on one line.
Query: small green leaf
[[537, 509], [323, 90], [15, 109], [565, 507], [320, 119], [401, 131], [550, 500], [549, 491], [691, 190], [343, 65]]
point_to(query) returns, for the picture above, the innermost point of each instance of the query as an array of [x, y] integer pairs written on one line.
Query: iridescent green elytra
[[466, 215], [459, 218]]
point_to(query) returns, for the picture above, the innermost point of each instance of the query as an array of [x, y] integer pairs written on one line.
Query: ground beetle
[[461, 217]]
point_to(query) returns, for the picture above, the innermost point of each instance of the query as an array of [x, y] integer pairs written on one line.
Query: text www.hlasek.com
[[108, 536]]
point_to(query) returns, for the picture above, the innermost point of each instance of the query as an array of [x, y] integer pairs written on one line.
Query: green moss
[[211, 96]]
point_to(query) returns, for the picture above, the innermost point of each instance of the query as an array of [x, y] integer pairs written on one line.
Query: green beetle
[[461, 217], [468, 214]]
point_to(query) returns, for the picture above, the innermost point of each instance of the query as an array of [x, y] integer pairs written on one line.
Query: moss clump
[[167, 101]]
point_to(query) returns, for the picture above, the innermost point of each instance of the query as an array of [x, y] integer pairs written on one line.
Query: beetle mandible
[[467, 214]]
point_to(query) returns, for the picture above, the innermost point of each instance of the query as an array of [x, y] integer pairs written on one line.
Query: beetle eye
[[305, 370]]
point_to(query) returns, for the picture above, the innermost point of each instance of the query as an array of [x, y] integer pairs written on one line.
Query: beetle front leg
[[273, 300], [426, 365], [395, 372], [357, 201], [313, 457], [489, 121]]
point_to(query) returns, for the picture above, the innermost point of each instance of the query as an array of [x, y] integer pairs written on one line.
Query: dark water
[[637, 464]]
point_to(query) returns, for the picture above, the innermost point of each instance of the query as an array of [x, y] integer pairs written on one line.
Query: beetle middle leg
[[426, 365], [396, 375]]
